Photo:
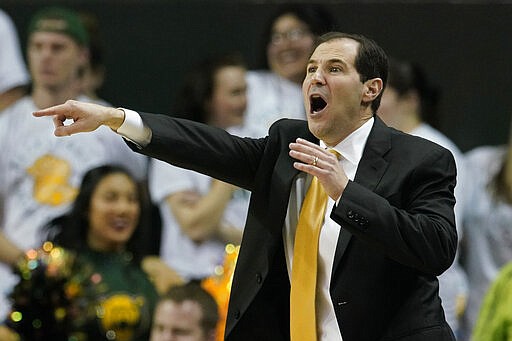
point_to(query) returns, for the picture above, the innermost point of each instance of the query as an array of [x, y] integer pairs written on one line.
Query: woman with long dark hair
[[87, 282]]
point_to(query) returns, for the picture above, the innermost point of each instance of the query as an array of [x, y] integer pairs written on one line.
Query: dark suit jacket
[[397, 228]]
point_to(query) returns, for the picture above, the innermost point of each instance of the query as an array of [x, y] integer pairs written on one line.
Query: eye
[[312, 69], [110, 196], [335, 69]]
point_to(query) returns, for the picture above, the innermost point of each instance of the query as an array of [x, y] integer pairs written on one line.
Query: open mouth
[[317, 103]]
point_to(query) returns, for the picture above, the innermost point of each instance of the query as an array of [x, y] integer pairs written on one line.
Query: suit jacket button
[[258, 278], [237, 314], [341, 304], [350, 214]]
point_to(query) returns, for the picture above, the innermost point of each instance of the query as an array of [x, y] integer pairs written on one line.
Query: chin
[[315, 130], [292, 74]]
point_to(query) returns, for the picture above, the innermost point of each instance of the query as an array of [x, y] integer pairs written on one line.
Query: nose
[[45, 52], [124, 205], [317, 77]]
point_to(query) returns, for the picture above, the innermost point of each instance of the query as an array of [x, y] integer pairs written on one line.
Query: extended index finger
[[60, 109]]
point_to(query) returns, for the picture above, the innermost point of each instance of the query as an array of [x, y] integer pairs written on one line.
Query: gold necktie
[[304, 268]]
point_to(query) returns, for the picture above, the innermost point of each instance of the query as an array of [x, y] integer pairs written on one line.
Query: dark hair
[[192, 291], [407, 76], [318, 19], [198, 85], [96, 44], [371, 61], [499, 185], [70, 230]]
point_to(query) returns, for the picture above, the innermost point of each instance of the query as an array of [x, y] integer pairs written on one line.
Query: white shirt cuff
[[134, 129]]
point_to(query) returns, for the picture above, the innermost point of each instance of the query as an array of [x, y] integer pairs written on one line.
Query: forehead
[[230, 71], [344, 49], [287, 21], [118, 181], [51, 37], [177, 312]]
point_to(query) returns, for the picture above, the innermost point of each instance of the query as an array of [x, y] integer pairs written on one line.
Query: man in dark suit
[[389, 228]]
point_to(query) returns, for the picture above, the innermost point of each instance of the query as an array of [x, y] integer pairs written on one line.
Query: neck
[[45, 97], [105, 247], [350, 128], [408, 123]]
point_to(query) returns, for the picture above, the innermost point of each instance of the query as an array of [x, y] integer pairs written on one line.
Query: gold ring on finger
[[315, 161]]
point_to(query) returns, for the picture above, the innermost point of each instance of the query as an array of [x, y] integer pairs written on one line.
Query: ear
[[372, 89]]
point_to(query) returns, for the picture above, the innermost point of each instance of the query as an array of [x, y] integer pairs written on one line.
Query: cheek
[[34, 60], [96, 227], [72, 63], [242, 103], [235, 103], [306, 47], [218, 107], [348, 102], [136, 214], [272, 52], [96, 218]]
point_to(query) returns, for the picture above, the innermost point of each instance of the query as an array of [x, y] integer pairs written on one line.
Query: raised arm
[[9, 253], [86, 117]]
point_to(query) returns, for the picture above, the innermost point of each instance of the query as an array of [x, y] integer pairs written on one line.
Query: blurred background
[[464, 46]]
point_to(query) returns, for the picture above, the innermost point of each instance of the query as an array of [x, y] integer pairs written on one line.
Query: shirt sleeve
[[13, 71], [134, 129]]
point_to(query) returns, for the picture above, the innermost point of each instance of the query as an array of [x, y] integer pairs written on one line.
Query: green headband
[[60, 20]]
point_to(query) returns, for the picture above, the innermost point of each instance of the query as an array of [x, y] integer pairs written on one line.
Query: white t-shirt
[[190, 259], [269, 98], [41, 173], [13, 72]]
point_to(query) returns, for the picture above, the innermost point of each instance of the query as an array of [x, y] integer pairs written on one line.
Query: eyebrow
[[330, 61]]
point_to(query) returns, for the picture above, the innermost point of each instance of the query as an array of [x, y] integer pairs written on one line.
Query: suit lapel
[[370, 170], [283, 178]]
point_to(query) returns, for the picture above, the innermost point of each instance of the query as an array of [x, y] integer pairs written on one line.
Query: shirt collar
[[353, 145]]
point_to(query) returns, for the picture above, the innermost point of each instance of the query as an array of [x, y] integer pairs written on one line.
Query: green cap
[[60, 20]]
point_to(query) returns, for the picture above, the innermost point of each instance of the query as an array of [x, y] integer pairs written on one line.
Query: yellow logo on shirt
[[120, 316], [51, 181]]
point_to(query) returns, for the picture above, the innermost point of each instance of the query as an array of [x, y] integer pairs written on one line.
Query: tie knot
[[335, 153]]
